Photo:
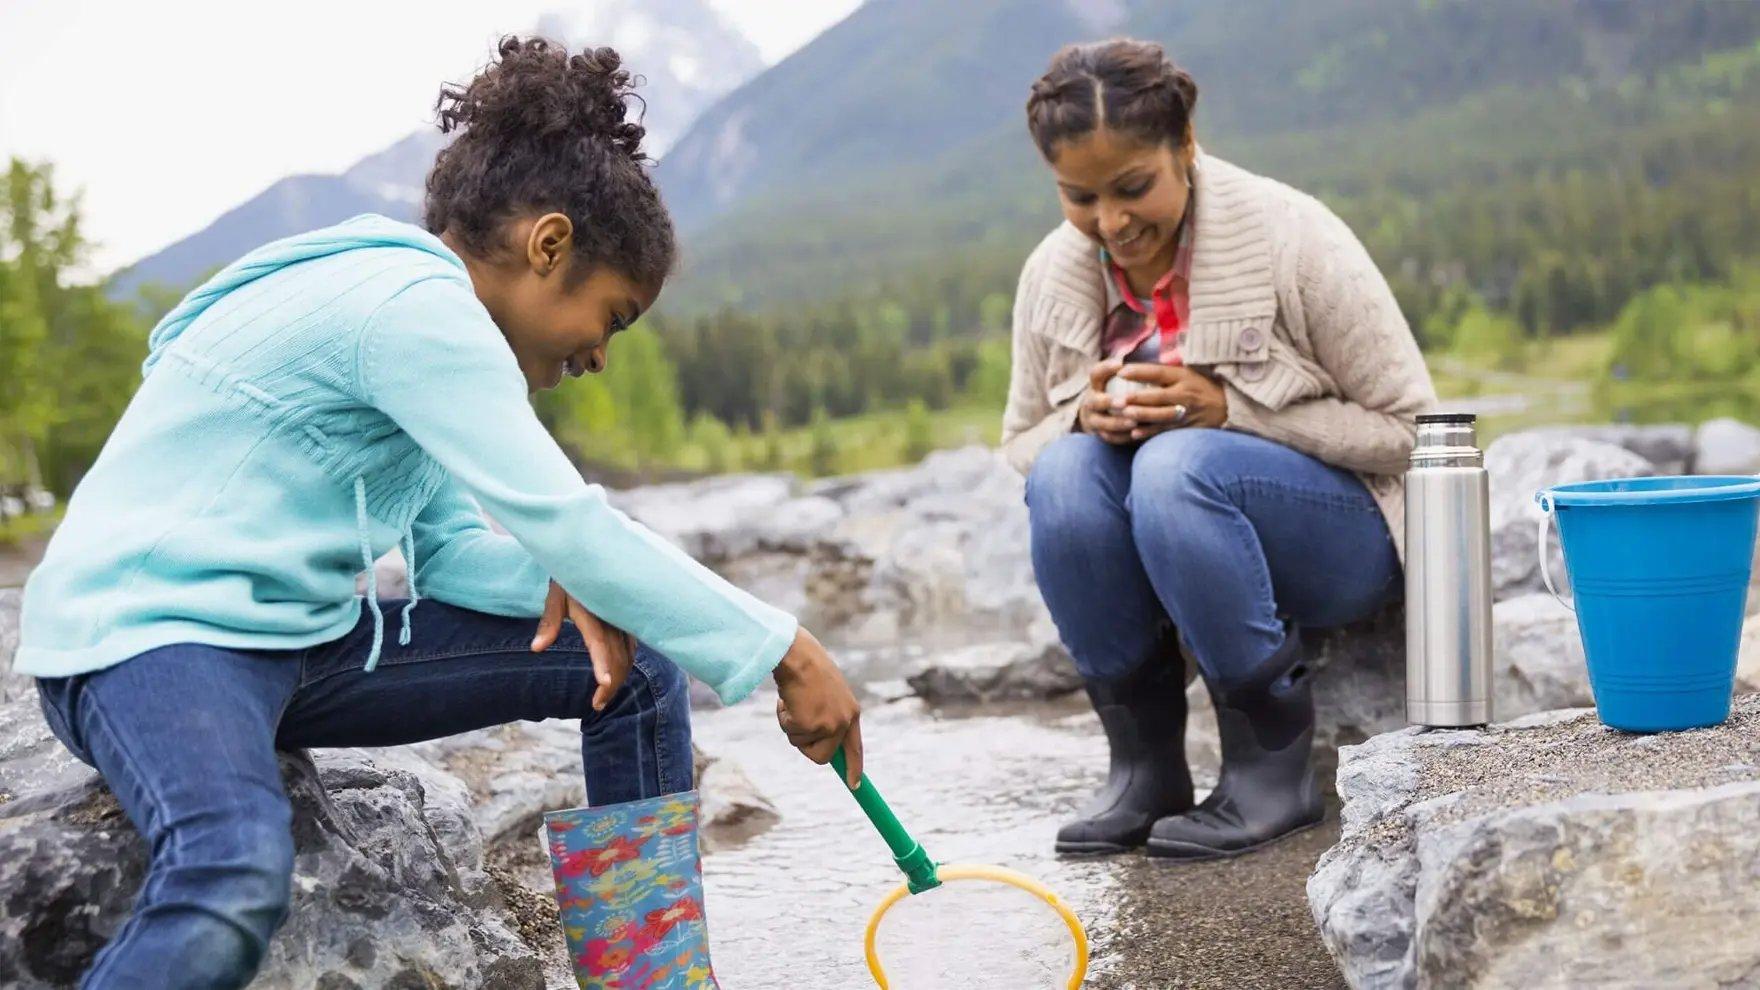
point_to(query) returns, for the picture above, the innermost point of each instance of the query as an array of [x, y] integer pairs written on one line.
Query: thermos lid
[[1448, 418]]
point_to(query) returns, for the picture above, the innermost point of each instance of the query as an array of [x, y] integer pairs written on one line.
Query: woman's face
[[1126, 194], [557, 325]]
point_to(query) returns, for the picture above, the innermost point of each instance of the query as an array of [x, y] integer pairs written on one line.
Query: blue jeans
[[1220, 533], [186, 737]]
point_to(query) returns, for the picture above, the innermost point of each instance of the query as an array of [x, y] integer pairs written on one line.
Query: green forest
[[1597, 234]]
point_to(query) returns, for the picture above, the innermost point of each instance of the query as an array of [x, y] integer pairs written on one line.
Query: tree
[[69, 357], [919, 434], [822, 446]]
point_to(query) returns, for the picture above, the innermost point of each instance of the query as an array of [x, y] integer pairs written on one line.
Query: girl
[[1213, 397], [334, 394]]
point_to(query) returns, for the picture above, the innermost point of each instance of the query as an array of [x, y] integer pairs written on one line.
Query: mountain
[[686, 54], [893, 147]]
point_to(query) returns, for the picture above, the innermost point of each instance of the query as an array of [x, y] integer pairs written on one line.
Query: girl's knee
[[664, 680]]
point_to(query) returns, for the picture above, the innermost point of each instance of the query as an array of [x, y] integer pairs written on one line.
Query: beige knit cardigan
[[1287, 311]]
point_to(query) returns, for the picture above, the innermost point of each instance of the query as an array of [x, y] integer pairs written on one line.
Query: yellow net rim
[[996, 874]]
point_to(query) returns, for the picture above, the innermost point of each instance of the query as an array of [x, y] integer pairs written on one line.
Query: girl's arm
[[432, 359], [461, 561]]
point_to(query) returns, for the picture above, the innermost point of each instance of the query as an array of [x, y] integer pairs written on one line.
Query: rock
[[11, 685], [1001, 671], [1520, 465], [1360, 669], [1668, 447], [1726, 446], [512, 773], [1748, 661], [1553, 845], [733, 811], [389, 888], [1538, 658], [416, 866]]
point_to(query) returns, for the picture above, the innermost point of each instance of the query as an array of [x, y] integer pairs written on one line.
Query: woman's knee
[[1071, 484], [1184, 465]]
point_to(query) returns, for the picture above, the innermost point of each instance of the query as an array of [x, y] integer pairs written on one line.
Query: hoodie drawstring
[[408, 544], [409, 560], [360, 528]]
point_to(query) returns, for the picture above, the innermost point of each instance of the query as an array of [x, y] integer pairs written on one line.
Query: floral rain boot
[[629, 884]]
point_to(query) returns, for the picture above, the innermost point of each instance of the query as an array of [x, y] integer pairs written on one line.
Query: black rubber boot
[[1268, 788], [1144, 715]]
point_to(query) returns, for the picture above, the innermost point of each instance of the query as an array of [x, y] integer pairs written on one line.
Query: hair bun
[[537, 91]]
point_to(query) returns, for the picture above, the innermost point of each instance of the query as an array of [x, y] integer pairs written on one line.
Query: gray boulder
[[1726, 446], [1551, 851], [415, 866], [1360, 670], [1520, 465], [11, 685], [999, 671], [389, 887], [1668, 447]]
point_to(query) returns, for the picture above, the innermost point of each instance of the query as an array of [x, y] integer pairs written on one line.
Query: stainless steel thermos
[[1448, 575]]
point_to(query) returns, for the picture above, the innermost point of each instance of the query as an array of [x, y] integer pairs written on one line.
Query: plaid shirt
[[1131, 321]]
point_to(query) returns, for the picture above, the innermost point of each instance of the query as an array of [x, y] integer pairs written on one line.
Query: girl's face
[[556, 325], [1125, 194]]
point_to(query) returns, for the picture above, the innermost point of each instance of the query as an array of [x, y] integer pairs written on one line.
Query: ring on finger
[[1179, 413]]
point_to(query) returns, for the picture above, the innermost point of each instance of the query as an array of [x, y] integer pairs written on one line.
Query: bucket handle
[[1544, 500]]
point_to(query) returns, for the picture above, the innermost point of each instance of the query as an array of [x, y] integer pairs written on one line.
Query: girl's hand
[[816, 708], [1178, 397], [610, 648], [1103, 415]]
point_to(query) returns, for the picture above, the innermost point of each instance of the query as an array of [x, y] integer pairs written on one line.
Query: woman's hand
[[610, 648], [1101, 414], [1177, 397], [816, 708]]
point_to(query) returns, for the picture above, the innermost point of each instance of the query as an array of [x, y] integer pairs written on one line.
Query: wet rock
[[1520, 465], [1494, 857], [388, 881], [1001, 671], [1669, 447], [733, 811], [1726, 446]]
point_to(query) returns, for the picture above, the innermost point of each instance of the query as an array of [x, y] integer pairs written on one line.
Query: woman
[[1213, 398], [337, 393]]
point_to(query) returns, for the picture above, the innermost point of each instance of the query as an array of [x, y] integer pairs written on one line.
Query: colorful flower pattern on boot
[[629, 887]]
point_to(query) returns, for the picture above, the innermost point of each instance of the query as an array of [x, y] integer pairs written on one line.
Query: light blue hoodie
[[317, 402]]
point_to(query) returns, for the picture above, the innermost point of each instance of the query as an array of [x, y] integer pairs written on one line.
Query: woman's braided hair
[[1128, 85], [545, 130]]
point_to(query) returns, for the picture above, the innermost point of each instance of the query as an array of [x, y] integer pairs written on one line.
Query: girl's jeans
[[1221, 533], [186, 736]]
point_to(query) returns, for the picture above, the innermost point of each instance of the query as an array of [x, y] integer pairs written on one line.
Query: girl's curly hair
[[542, 129]]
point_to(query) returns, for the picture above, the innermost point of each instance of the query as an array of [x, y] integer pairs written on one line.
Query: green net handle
[[919, 869]]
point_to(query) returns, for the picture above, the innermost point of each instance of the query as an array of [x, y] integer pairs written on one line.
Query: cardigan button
[[1252, 371], [1252, 339]]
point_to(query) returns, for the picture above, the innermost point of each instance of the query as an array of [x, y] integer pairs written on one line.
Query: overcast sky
[[169, 113]]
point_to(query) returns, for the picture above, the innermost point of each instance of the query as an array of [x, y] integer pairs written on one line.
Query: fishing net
[[982, 927]]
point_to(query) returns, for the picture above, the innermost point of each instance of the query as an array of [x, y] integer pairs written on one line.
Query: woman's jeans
[[186, 736], [1221, 533]]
